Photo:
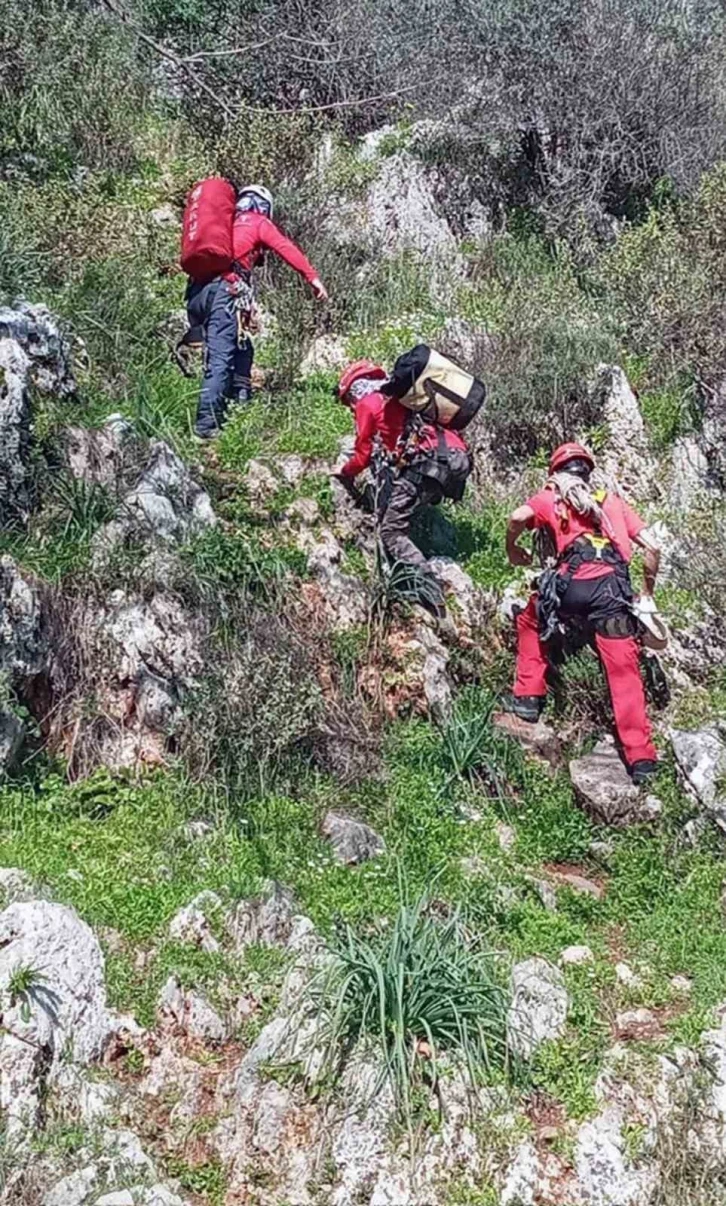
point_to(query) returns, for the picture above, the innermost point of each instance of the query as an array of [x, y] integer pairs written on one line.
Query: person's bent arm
[[651, 559], [519, 521]]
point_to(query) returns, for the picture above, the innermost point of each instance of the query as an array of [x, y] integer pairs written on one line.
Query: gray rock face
[[626, 458], [434, 674], [701, 759], [326, 354], [192, 923], [150, 653], [470, 605], [95, 455], [32, 353], [402, 212], [346, 598], [266, 920], [604, 1171], [605, 789], [190, 1013], [352, 841], [38, 334], [166, 501], [690, 475], [16, 885], [538, 1011], [12, 734], [68, 1017], [22, 647]]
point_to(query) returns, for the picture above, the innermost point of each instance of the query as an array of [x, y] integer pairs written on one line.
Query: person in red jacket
[[224, 308], [593, 534], [431, 463]]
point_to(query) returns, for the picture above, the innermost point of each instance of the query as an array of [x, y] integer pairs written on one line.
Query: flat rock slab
[[537, 739], [566, 876], [605, 790]]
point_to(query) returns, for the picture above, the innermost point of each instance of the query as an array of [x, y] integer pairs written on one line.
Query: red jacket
[[253, 234], [386, 417], [622, 525]]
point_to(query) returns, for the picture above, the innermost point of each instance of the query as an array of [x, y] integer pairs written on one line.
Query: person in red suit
[[431, 463], [593, 534]]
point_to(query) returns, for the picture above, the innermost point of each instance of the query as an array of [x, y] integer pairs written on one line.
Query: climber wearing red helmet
[[593, 532], [429, 463]]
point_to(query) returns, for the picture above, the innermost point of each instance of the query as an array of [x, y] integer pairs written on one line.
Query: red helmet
[[570, 452], [354, 372]]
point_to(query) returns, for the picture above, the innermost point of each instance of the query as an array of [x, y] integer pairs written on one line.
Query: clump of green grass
[[423, 989]]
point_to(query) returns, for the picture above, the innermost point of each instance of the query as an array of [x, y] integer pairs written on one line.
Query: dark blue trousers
[[227, 362]]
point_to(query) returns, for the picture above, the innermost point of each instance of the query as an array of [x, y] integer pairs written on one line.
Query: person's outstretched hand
[[519, 556], [320, 293]]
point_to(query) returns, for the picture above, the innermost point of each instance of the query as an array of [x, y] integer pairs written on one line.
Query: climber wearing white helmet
[[225, 306]]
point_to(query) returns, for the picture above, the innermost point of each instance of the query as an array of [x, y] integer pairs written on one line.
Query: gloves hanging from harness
[[449, 467], [553, 584]]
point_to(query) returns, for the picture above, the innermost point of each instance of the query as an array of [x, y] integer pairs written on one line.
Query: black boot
[[642, 771], [526, 707]]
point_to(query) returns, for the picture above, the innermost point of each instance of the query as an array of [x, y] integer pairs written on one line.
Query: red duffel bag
[[206, 249]]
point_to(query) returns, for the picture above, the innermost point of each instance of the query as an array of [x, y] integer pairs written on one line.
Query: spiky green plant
[[23, 983], [423, 989]]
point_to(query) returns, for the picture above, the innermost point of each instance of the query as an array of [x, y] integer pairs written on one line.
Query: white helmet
[[257, 197]]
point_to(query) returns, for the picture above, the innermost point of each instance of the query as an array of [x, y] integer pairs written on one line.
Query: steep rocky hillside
[[291, 914]]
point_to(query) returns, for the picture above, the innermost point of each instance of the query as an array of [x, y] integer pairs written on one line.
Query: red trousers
[[619, 656]]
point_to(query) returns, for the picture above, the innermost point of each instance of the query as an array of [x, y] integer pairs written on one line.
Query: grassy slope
[[118, 852]]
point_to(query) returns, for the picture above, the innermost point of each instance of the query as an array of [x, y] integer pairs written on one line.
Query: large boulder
[[95, 455], [39, 335], [53, 998], [23, 648], [166, 502]]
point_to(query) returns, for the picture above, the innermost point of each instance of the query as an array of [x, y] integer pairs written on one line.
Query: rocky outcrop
[[326, 354], [53, 1004], [538, 1011], [701, 761], [146, 654], [345, 599], [626, 459], [33, 354], [23, 651]]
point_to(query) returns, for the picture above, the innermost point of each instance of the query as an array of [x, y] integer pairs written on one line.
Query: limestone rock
[[522, 1184], [326, 354], [39, 335], [604, 1171], [305, 511], [23, 648], [166, 502], [32, 353], [605, 790], [68, 1017], [95, 455], [12, 735], [402, 212], [626, 459], [691, 481], [260, 483], [701, 760], [192, 923], [16, 885], [575, 956], [436, 682], [266, 920], [474, 605], [346, 598], [539, 740], [150, 652], [538, 1011], [352, 841], [190, 1013]]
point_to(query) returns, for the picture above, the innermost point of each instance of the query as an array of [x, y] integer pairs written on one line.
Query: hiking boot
[[526, 707], [642, 771]]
